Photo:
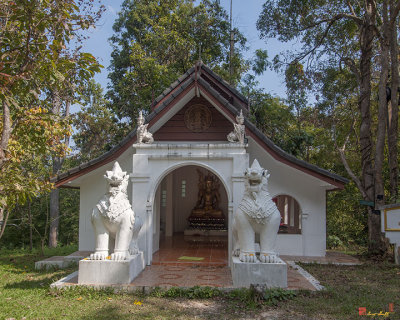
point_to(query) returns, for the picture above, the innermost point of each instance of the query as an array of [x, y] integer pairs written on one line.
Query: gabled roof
[[227, 98]]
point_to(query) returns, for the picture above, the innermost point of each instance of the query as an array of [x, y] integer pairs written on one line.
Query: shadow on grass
[[19, 260], [39, 283], [159, 309], [107, 312]]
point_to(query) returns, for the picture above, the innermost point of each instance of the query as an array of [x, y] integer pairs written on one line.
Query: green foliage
[[325, 64], [333, 242], [157, 41], [248, 297], [346, 219], [69, 216], [17, 233], [252, 298], [245, 297], [277, 121], [276, 295], [25, 293], [189, 293], [86, 293], [97, 130], [310, 22], [260, 62], [297, 86], [35, 62]]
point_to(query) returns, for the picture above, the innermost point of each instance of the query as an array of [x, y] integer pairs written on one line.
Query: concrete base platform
[[198, 232], [61, 262], [53, 262], [273, 275], [110, 272]]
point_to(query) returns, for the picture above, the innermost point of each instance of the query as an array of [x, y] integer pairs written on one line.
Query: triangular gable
[[202, 84], [201, 71], [176, 128]]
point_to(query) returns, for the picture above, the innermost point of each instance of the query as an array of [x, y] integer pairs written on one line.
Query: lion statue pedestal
[[257, 214], [117, 259]]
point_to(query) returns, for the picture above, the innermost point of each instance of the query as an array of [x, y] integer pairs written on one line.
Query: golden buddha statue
[[208, 198]]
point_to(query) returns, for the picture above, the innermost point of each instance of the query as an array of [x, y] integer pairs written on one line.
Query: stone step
[[61, 262]]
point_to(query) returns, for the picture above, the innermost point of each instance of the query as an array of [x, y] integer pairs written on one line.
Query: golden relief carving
[[198, 118]]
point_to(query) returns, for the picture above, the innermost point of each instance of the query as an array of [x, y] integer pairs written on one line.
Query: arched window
[[290, 214]]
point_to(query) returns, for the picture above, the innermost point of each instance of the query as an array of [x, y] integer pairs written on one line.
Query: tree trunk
[[54, 207], [377, 244], [393, 108], [55, 194], [57, 164], [30, 227], [367, 180], [54, 217], [3, 225], [5, 133], [367, 36], [382, 108]]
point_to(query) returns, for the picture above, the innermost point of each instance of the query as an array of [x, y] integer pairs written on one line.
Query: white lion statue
[[114, 221], [257, 213]]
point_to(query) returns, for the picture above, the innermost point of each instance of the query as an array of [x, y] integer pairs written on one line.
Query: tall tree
[[157, 41], [64, 92], [97, 129], [32, 36], [346, 33]]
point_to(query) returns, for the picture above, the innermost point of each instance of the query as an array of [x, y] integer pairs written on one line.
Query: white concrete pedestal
[[109, 271], [273, 275]]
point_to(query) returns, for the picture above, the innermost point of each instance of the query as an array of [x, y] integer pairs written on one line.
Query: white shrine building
[[190, 122]]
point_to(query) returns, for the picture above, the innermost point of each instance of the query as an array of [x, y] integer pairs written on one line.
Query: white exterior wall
[[153, 163], [310, 193]]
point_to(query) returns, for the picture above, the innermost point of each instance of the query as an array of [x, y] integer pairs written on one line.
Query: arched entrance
[[151, 164], [190, 218]]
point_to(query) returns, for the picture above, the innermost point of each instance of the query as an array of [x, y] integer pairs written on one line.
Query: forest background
[[340, 112]]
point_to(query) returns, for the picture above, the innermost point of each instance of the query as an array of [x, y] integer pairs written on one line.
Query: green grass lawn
[[25, 292]]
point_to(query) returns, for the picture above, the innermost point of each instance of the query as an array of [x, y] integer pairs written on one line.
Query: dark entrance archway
[[175, 240]]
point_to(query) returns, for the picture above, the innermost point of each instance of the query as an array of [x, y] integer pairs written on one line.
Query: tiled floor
[[213, 271], [213, 250], [168, 270], [184, 276], [195, 275]]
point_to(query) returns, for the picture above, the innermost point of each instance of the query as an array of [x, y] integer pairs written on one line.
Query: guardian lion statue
[[114, 221], [257, 213]]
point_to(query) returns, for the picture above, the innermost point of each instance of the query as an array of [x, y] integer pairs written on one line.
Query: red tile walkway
[[184, 276]]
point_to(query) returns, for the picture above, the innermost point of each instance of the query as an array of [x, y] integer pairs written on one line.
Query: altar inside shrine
[[206, 217]]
